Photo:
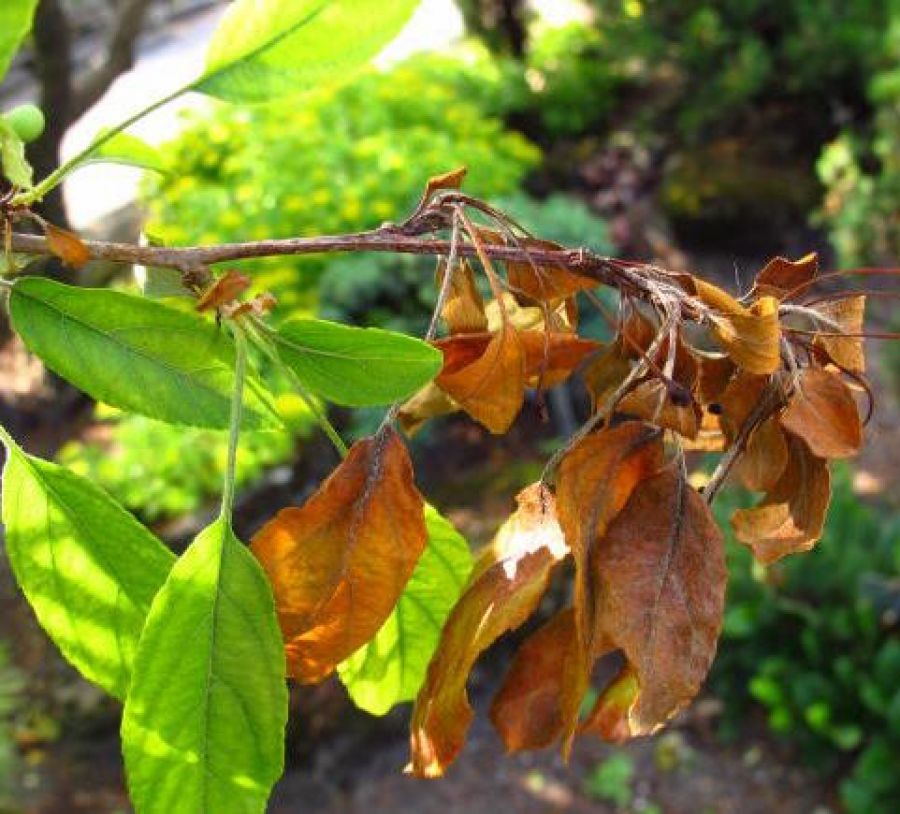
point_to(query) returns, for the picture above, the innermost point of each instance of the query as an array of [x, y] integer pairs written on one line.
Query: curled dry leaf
[[844, 351], [464, 309], [430, 402], [765, 455], [545, 283], [595, 481], [750, 336], [791, 516], [606, 372], [780, 276], [67, 246], [491, 388], [223, 291], [339, 563], [527, 711], [714, 372], [823, 413], [659, 578], [652, 400], [504, 589]]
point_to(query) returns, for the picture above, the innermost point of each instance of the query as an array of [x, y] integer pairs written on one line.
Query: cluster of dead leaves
[[763, 380]]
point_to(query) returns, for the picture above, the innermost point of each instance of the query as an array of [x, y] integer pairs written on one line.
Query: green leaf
[[267, 48], [391, 668], [86, 566], [356, 367], [129, 150], [14, 165], [132, 353], [203, 726], [15, 23]]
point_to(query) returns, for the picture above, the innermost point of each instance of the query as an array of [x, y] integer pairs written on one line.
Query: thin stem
[[37, 192], [447, 281], [262, 334], [234, 425]]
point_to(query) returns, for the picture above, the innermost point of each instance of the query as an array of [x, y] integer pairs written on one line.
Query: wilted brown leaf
[[791, 516], [543, 283], [781, 276], [750, 336], [464, 309], [823, 413], [224, 290], [652, 401], [67, 246], [551, 357], [339, 563], [447, 180], [659, 580], [606, 372], [430, 402], [527, 710], [714, 373], [845, 351], [491, 388], [504, 589]]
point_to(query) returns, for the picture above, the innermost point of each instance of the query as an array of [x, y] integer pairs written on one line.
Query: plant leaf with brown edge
[[504, 589], [492, 388], [67, 246], [659, 576], [823, 413], [791, 516], [527, 710], [339, 563], [464, 309], [596, 479], [781, 276], [845, 351], [750, 336]]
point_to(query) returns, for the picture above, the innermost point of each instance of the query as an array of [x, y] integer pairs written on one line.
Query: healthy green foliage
[[390, 669], [123, 148], [132, 353], [355, 367], [285, 47], [15, 23], [88, 568], [203, 726]]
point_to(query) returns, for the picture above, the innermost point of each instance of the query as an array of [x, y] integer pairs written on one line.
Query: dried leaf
[[464, 309], [823, 413], [339, 563], [527, 711], [609, 717], [545, 283], [791, 517], [551, 357], [765, 455], [448, 180], [659, 578], [429, 402], [491, 388], [67, 246], [845, 351], [713, 375], [504, 589], [595, 481], [224, 290], [781, 276], [605, 373], [750, 336], [652, 401]]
